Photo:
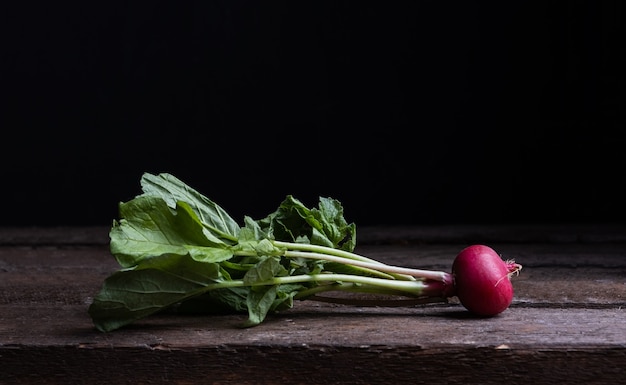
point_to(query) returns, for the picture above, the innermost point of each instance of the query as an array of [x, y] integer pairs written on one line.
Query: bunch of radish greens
[[179, 251]]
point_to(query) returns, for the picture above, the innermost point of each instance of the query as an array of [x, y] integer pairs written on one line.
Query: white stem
[[417, 273]]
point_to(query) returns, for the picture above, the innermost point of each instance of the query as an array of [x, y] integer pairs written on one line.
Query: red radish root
[[482, 280]]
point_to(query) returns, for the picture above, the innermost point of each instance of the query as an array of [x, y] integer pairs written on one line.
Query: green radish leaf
[[149, 228], [262, 299], [156, 283], [265, 299], [325, 226], [259, 302], [253, 240], [215, 219], [264, 271], [284, 296], [334, 225]]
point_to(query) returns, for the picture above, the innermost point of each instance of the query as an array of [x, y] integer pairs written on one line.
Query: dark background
[[418, 112]]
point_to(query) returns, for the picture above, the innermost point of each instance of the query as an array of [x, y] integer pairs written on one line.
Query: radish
[[177, 249], [482, 280]]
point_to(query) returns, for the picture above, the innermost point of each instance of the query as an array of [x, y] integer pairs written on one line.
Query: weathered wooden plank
[[566, 324], [314, 323], [306, 365], [320, 344]]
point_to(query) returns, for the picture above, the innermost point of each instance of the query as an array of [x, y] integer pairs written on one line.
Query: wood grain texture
[[566, 324]]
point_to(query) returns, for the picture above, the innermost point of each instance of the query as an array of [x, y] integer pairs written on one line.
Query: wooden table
[[567, 323]]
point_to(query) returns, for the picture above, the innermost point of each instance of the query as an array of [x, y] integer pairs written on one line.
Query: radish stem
[[345, 257], [324, 250], [416, 273], [415, 288]]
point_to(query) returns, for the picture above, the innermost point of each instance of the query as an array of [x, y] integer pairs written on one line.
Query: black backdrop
[[420, 112]]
